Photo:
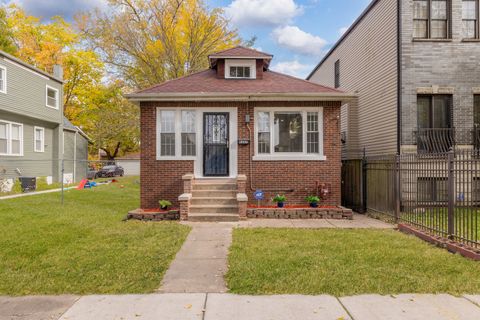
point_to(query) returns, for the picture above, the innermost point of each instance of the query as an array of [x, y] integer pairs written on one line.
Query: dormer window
[[240, 69], [239, 72]]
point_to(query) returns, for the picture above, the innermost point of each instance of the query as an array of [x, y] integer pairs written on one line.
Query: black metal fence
[[438, 193]]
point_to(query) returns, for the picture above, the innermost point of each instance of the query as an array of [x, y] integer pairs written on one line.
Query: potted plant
[[164, 204], [280, 199], [313, 201]]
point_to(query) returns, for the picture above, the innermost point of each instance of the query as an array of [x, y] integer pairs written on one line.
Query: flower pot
[[313, 204], [280, 204]]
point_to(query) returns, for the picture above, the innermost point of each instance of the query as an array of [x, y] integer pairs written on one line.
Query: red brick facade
[[163, 179]]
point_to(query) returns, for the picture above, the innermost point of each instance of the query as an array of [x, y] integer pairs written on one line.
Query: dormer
[[240, 63]]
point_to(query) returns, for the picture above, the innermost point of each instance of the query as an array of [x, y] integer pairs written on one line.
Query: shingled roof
[[241, 52]]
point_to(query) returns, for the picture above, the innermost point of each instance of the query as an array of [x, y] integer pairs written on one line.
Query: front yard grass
[[344, 262], [83, 247]]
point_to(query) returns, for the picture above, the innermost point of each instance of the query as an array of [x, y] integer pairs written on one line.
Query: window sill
[[432, 40], [289, 158], [176, 158], [470, 40], [56, 108]]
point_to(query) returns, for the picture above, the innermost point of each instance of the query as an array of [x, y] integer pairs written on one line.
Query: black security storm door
[[215, 145]]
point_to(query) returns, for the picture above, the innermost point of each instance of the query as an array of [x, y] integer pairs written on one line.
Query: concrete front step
[[213, 217], [232, 209], [215, 186], [216, 201], [214, 193]]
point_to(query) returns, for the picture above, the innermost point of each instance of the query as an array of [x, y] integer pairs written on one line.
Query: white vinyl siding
[[289, 134], [11, 138], [3, 79], [52, 97], [39, 139]]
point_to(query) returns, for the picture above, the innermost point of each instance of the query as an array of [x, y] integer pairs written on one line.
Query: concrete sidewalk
[[214, 306]]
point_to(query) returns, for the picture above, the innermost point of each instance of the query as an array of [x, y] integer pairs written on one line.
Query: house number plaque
[[243, 142]]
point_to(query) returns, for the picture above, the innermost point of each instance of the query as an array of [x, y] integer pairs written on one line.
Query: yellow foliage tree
[[147, 42]]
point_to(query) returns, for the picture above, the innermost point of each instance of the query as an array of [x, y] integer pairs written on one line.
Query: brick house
[[212, 138]]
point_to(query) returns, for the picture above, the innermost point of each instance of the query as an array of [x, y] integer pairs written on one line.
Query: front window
[[177, 133], [39, 140], [470, 15], [11, 138], [52, 97], [3, 79], [285, 132], [431, 19]]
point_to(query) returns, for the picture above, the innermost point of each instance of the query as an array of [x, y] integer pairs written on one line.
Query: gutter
[[399, 75], [244, 97]]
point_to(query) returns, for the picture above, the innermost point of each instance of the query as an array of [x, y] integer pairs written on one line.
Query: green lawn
[[344, 262], [83, 247]]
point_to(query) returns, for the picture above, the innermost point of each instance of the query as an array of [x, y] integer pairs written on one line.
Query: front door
[[215, 144]]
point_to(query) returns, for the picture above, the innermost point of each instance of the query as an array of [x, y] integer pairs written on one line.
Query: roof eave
[[210, 97]]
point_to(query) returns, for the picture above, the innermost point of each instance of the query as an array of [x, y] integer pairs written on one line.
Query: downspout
[[75, 157], [399, 75], [250, 156]]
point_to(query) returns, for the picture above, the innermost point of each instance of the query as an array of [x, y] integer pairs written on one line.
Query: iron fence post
[[451, 194], [397, 188], [364, 181]]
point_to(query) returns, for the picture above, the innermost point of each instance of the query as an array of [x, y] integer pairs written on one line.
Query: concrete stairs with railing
[[214, 200]]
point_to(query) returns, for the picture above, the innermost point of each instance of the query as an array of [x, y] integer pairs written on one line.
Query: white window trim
[[46, 97], [42, 146], [9, 139], [4, 90], [241, 63], [178, 135], [291, 156]]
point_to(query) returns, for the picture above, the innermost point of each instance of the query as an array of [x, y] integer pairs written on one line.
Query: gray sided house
[[415, 66], [32, 125]]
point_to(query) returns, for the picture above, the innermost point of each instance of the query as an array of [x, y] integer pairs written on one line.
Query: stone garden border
[[300, 213], [139, 214]]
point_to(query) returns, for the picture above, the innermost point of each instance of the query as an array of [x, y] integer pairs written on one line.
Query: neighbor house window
[[188, 133], [337, 74], [470, 15], [432, 190], [289, 133], [52, 97], [431, 19], [434, 118], [39, 139], [476, 110], [177, 133], [3, 79], [11, 138]]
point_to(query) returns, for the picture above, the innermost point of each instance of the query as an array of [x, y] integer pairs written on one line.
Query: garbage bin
[[28, 183]]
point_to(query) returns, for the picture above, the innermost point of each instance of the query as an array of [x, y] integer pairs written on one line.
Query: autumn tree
[[6, 43], [111, 121], [148, 42]]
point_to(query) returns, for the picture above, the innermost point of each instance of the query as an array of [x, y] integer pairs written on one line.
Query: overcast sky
[[297, 32]]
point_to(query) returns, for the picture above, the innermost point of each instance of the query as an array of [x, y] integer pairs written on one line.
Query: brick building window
[[337, 74], [431, 19], [177, 133], [288, 134], [470, 15]]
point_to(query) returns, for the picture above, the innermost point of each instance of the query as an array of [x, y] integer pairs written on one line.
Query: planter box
[[299, 213], [152, 215]]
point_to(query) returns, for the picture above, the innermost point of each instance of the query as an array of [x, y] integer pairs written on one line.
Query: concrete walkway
[[214, 306], [201, 263]]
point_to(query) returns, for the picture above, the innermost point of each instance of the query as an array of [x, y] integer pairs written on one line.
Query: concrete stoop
[[214, 200]]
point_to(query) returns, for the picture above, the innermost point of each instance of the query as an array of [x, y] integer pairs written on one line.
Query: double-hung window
[[470, 16], [11, 138], [3, 79], [39, 139], [52, 97], [289, 134], [176, 136], [431, 19]]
